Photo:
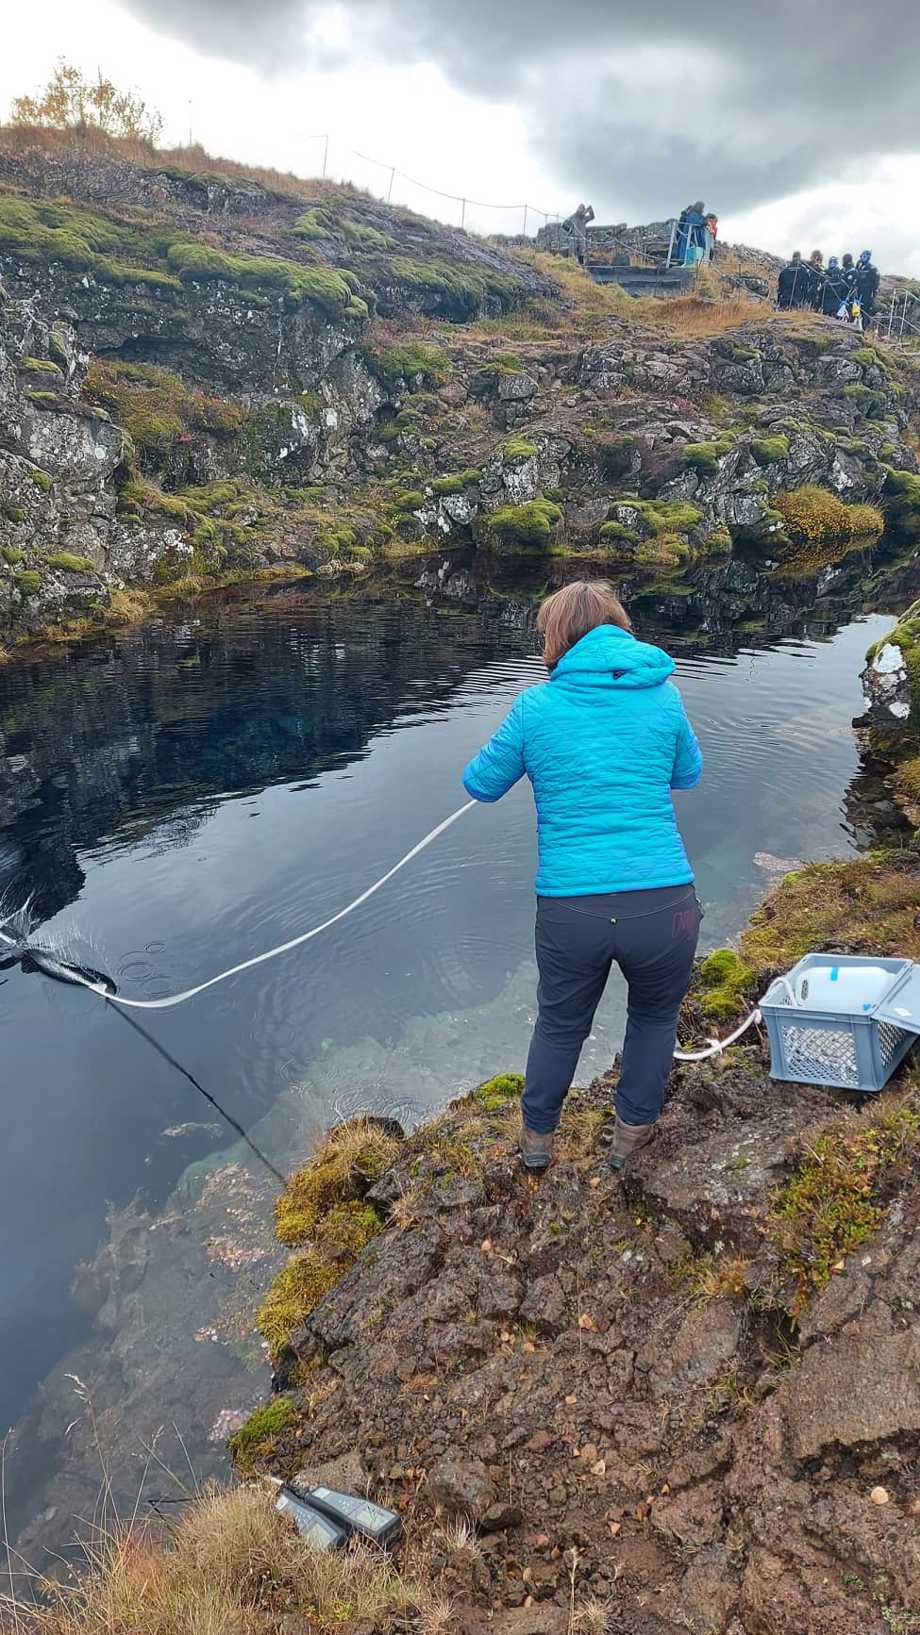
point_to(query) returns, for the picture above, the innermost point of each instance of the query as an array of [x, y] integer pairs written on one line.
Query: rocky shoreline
[[339, 383]]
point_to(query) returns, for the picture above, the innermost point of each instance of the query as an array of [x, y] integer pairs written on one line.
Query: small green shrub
[[29, 583], [11, 554]]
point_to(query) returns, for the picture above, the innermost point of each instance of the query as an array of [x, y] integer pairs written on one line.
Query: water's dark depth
[[189, 793]]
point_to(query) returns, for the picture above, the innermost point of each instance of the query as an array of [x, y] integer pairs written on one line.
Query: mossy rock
[[67, 562], [13, 513], [614, 533], [705, 457], [457, 483], [769, 451], [407, 360], [518, 449], [527, 527], [667, 516], [613, 454], [902, 499], [325, 287], [41, 368], [496, 1093], [726, 981], [256, 1438], [42, 480], [28, 583], [296, 1292]]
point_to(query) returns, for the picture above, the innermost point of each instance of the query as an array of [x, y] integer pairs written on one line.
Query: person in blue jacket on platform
[[604, 742]]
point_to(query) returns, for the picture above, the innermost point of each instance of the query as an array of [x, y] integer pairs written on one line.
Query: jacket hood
[[610, 657]]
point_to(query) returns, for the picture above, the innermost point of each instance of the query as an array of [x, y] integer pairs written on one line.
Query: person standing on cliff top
[[604, 742]]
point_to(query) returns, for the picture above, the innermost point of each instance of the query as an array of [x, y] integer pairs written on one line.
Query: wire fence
[[395, 186]]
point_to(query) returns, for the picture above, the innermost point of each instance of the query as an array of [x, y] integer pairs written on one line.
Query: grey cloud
[[774, 96]]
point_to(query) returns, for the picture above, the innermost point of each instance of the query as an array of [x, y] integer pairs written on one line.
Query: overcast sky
[[796, 121]]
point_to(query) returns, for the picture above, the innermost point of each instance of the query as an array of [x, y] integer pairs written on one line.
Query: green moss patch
[[705, 457], [256, 1438], [155, 406], [456, 290], [527, 527], [41, 480], [497, 1092], [726, 983], [518, 449], [457, 483], [67, 562], [326, 287], [837, 1199], [87, 241], [28, 583], [406, 360], [295, 1293], [768, 451], [902, 500], [11, 554]]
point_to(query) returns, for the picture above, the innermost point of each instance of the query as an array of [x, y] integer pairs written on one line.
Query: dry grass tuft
[[341, 1169], [194, 160], [232, 1564]]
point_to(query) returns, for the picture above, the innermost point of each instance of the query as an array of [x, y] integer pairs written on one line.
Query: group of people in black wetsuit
[[845, 289]]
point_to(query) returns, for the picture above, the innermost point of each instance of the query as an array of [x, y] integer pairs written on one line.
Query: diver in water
[[604, 741]]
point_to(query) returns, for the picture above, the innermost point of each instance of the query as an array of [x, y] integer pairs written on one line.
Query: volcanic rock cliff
[[202, 376]]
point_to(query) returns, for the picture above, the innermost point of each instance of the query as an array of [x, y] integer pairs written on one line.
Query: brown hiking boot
[[536, 1150], [627, 1139]]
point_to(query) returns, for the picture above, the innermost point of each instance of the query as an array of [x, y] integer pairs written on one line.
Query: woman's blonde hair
[[571, 612]]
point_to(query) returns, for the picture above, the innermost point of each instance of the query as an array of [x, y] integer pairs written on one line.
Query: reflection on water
[[184, 795]]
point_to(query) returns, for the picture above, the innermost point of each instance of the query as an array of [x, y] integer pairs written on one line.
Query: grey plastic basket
[[849, 1049]]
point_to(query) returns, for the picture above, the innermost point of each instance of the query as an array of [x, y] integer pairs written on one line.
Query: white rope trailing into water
[[71, 975], [272, 953]]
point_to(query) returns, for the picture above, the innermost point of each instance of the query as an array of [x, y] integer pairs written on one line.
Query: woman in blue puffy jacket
[[604, 742]]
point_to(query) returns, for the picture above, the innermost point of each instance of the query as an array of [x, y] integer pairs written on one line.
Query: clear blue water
[[183, 795]]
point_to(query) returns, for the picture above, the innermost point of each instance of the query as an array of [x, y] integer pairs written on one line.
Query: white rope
[[716, 1046], [271, 953]]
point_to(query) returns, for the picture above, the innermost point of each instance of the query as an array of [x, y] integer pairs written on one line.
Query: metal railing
[[527, 211]]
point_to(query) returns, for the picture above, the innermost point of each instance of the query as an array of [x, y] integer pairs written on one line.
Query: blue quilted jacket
[[603, 742]]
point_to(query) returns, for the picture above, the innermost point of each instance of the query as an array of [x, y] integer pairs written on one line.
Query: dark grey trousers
[[652, 935]]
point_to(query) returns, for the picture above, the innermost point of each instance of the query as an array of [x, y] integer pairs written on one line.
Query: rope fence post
[[390, 188], [462, 215], [325, 157], [525, 221]]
